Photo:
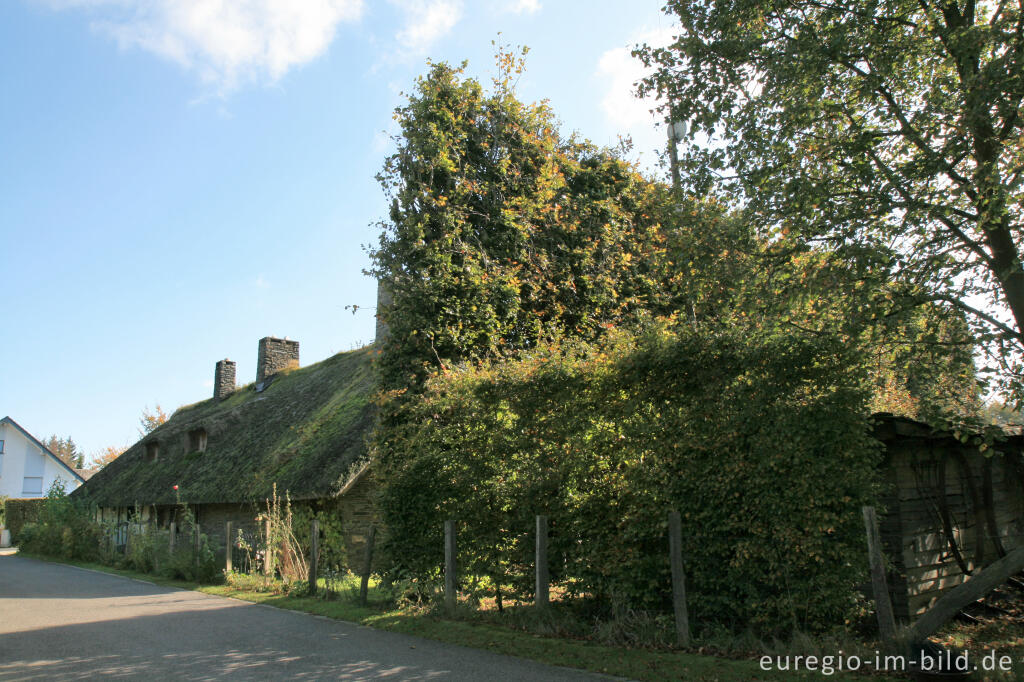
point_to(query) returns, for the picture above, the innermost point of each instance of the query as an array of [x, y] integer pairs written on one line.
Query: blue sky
[[179, 178]]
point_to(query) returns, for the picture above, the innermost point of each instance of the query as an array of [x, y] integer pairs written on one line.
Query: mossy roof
[[306, 431]]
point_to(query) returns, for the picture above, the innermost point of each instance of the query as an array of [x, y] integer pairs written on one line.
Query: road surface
[[63, 623]]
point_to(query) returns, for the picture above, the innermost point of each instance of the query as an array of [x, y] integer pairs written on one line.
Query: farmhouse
[[949, 509], [303, 429], [27, 467]]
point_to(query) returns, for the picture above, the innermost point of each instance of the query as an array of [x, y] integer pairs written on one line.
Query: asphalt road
[[64, 623]]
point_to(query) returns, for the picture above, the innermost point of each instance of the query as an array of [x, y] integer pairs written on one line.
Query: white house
[[27, 468]]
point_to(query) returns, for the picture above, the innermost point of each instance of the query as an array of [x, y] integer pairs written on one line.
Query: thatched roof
[[303, 431]]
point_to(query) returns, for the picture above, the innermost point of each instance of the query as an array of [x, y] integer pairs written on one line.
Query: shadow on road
[[180, 645]]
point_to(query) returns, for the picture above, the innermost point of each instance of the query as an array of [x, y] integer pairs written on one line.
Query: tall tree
[[502, 233], [66, 449], [890, 130]]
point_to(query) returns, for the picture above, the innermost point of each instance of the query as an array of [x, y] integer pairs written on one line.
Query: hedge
[[18, 512], [759, 441]]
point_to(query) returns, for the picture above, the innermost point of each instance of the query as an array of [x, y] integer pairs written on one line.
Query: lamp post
[[676, 133]]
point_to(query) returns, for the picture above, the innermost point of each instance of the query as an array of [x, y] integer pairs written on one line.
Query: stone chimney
[[275, 355], [224, 379]]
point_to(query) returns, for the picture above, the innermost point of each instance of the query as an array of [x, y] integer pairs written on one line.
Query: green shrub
[[19, 512], [63, 528], [189, 561], [758, 440]]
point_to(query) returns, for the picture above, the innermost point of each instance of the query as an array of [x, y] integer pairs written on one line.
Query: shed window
[[197, 440], [152, 451]]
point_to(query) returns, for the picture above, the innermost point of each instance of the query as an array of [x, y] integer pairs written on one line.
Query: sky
[[180, 178]]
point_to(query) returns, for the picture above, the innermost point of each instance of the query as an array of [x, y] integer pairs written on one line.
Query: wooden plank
[[675, 551], [268, 557], [228, 545], [883, 605], [974, 589], [314, 555]]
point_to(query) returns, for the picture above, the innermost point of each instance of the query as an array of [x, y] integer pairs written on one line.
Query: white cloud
[[619, 71], [523, 6], [225, 41], [425, 22]]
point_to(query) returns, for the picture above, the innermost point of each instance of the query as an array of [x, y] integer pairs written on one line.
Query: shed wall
[[926, 506]]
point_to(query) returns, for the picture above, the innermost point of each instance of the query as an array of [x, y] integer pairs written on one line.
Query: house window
[[1, 447], [197, 440], [152, 451], [33, 485]]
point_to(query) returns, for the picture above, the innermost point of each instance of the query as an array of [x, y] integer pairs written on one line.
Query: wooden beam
[[675, 551], [314, 555], [227, 547], [883, 605], [980, 584]]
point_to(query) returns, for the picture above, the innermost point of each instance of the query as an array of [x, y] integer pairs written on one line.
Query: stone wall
[[357, 514], [212, 520]]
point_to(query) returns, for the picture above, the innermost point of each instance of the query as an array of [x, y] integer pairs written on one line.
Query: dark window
[[152, 451], [197, 440]]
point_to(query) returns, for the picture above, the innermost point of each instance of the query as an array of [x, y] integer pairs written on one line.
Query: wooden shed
[[951, 508]]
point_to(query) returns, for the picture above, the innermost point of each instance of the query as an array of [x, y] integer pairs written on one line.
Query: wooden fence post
[[314, 554], [127, 537], [883, 606], [195, 544], [543, 586], [268, 567], [675, 550], [364, 584], [450, 567], [228, 545], [174, 531]]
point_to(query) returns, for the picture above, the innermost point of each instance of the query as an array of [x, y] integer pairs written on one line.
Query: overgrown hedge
[[19, 512], [759, 440]]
